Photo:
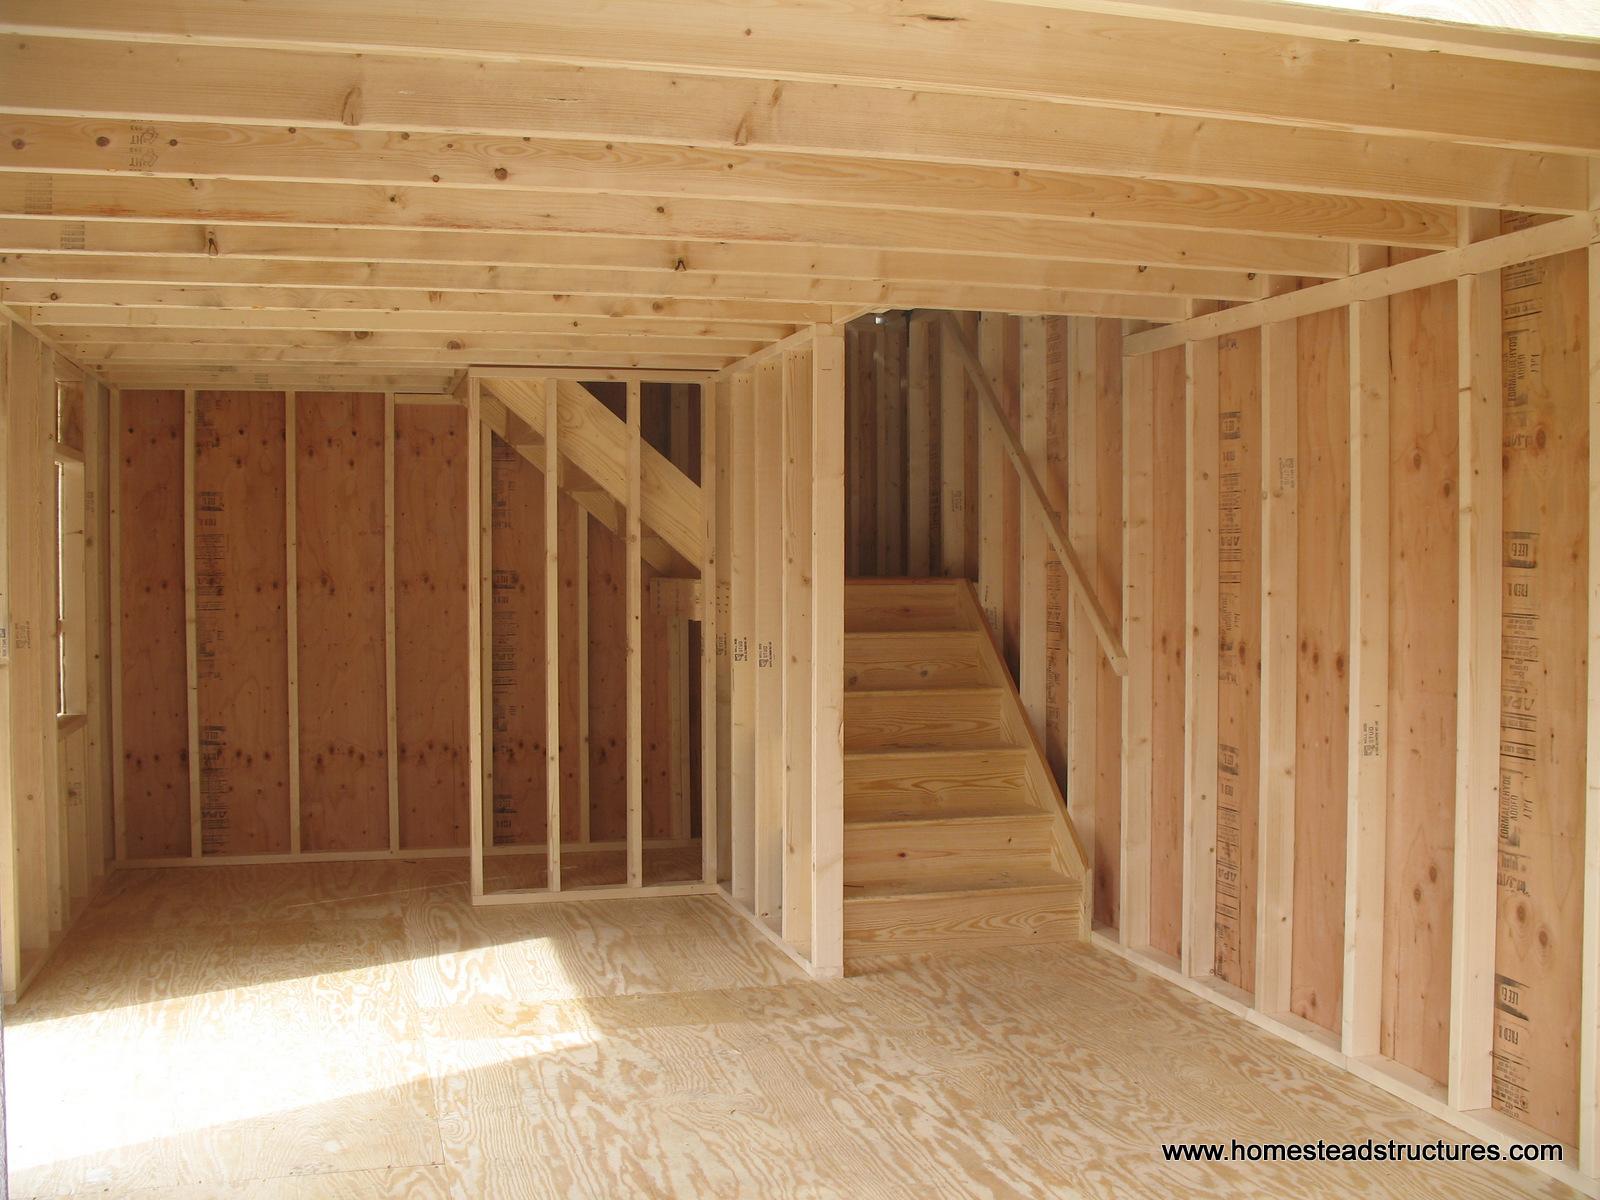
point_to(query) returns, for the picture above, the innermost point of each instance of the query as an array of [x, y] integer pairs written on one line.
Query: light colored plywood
[[1543, 737], [1420, 837], [431, 587], [658, 1002], [241, 622], [154, 755], [1201, 440], [1367, 741], [1275, 862], [344, 775], [1238, 655], [1322, 698]]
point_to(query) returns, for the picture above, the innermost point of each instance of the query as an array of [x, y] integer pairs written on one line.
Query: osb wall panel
[[153, 690], [1168, 622], [1423, 471], [344, 757], [430, 561], [1538, 948], [1322, 703], [241, 622], [1238, 654]]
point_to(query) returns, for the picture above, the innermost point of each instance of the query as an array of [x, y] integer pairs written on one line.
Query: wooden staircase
[[956, 835]]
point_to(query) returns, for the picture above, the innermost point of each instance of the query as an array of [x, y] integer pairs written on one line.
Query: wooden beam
[[207, 150], [1138, 498], [1035, 550], [827, 653], [635, 634], [1202, 417], [711, 630], [480, 758], [1589, 1027], [1477, 807], [768, 640], [953, 450], [1038, 499], [552, 637], [1083, 417], [1367, 741], [1279, 666], [225, 202], [991, 475], [797, 654], [1106, 63], [1477, 257]]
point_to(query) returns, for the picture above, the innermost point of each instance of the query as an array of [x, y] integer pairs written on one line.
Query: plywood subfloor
[[359, 1030]]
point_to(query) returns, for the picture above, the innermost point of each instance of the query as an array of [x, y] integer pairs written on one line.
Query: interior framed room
[[805, 598]]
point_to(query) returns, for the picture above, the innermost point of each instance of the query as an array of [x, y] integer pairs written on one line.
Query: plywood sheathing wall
[[241, 572]]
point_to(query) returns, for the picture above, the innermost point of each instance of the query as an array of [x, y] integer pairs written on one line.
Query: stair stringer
[[1067, 850]]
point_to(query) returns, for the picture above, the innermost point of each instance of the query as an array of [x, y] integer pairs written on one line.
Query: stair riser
[[899, 853], [901, 607], [931, 660], [921, 924], [903, 721]]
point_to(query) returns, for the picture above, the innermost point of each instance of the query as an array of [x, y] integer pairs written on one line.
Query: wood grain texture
[[430, 624], [608, 726], [155, 730], [1422, 679], [242, 635], [1167, 652], [1322, 722], [443, 1051], [517, 491], [344, 771], [1107, 402], [1238, 654], [1545, 449]]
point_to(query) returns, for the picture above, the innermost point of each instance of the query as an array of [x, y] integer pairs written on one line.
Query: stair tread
[[1026, 879], [1018, 809]]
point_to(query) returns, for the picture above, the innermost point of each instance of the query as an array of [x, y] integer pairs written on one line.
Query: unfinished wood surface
[[1367, 742], [431, 624], [1138, 595], [1422, 680], [1238, 655], [1057, 605], [633, 602], [1322, 696], [1034, 551], [344, 772], [673, 996], [1102, 374], [608, 729], [155, 732], [1543, 729], [796, 658], [741, 628], [241, 635], [1168, 651], [1202, 430], [890, 363], [828, 624], [922, 447], [955, 554], [768, 647], [517, 495]]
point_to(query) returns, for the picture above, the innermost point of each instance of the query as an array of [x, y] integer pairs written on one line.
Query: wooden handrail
[[1034, 490]]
